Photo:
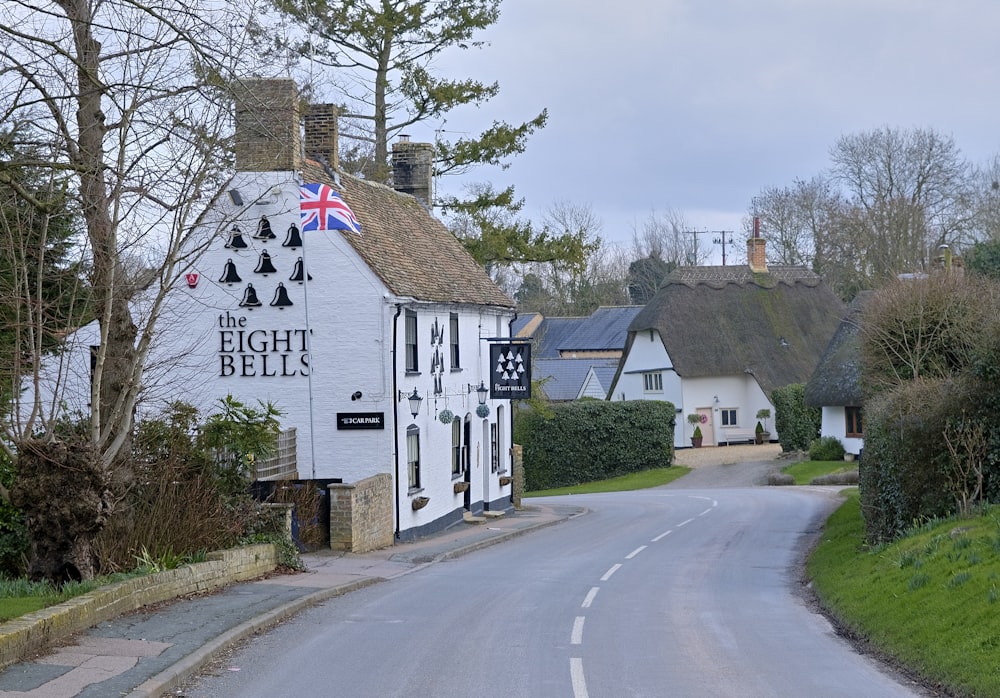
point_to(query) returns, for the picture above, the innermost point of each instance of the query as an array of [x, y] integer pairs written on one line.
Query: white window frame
[[724, 417], [410, 339], [652, 382], [454, 355], [413, 457]]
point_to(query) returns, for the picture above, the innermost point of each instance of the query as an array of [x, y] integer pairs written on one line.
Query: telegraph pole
[[693, 259], [725, 237]]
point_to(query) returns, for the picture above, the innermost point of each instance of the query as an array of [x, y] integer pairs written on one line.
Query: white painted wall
[[834, 423], [309, 358]]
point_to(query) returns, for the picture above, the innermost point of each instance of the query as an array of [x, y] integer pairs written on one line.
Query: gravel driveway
[[728, 466]]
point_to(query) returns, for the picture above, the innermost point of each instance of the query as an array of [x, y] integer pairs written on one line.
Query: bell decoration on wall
[[250, 298], [264, 229], [236, 241], [293, 238], [229, 275], [281, 299], [297, 272], [264, 265]]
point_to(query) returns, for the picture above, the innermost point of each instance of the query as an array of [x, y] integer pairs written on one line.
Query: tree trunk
[[66, 498]]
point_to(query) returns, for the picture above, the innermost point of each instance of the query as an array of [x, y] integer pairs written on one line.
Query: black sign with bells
[[510, 372]]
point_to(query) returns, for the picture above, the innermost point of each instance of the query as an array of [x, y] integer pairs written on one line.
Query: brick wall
[[32, 632], [267, 126], [411, 169], [517, 467], [361, 514], [756, 255], [322, 133]]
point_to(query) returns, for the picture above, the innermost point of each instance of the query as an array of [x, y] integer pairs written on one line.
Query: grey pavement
[[150, 652]]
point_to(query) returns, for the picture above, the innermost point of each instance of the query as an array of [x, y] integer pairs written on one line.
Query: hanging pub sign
[[510, 373]]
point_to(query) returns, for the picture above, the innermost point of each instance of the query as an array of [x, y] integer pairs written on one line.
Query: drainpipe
[[395, 425], [510, 408]]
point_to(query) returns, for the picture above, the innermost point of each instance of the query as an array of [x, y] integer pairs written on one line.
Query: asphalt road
[[665, 592]]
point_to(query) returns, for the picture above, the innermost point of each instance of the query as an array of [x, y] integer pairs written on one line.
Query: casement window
[[494, 448], [453, 341], [652, 382], [456, 447], [411, 342], [854, 427], [413, 456], [728, 417]]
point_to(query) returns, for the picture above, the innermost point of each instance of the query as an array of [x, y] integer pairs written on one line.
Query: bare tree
[[986, 200], [131, 102], [909, 188]]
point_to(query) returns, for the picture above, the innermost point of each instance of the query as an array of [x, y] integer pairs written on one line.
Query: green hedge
[[903, 476], [797, 425], [594, 440]]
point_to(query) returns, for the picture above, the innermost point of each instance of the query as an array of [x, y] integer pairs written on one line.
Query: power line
[[725, 237]]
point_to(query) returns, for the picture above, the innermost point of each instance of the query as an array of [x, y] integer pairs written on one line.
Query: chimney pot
[[267, 126], [412, 168], [756, 255]]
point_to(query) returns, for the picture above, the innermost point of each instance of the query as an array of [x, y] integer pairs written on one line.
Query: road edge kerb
[[178, 672], [507, 535], [34, 632], [173, 676]]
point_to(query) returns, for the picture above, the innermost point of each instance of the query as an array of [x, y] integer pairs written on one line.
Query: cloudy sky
[[696, 105]]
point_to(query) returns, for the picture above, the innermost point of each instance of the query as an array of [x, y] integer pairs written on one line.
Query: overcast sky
[[696, 105]]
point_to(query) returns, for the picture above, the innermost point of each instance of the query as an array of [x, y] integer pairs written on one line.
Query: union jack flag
[[323, 209]]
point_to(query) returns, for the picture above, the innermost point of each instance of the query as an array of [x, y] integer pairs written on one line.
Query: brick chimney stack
[[267, 126], [412, 167], [322, 134], [756, 257]]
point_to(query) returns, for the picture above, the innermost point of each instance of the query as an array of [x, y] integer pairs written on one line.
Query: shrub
[[903, 476], [594, 440], [826, 448], [185, 499], [797, 424], [780, 479], [849, 477]]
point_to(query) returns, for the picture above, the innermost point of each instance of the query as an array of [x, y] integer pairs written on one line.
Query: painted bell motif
[[250, 299], [236, 241], [293, 238], [281, 299], [264, 229], [264, 265], [229, 274], [297, 272]]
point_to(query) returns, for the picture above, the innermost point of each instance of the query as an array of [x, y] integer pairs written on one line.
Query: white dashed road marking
[[614, 568]]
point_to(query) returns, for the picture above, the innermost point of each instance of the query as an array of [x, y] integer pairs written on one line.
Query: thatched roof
[[718, 321], [836, 382], [411, 251]]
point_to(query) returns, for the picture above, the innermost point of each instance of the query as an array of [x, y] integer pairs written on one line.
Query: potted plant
[[696, 437], [695, 421], [762, 435]]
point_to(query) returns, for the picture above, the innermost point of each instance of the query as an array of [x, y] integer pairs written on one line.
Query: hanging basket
[[483, 411], [419, 502], [446, 416]]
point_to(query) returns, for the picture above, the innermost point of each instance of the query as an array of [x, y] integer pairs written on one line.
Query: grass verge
[[20, 596], [928, 600], [806, 470], [633, 481]]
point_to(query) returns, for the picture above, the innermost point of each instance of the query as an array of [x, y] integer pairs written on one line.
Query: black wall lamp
[[414, 399], [482, 391]]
